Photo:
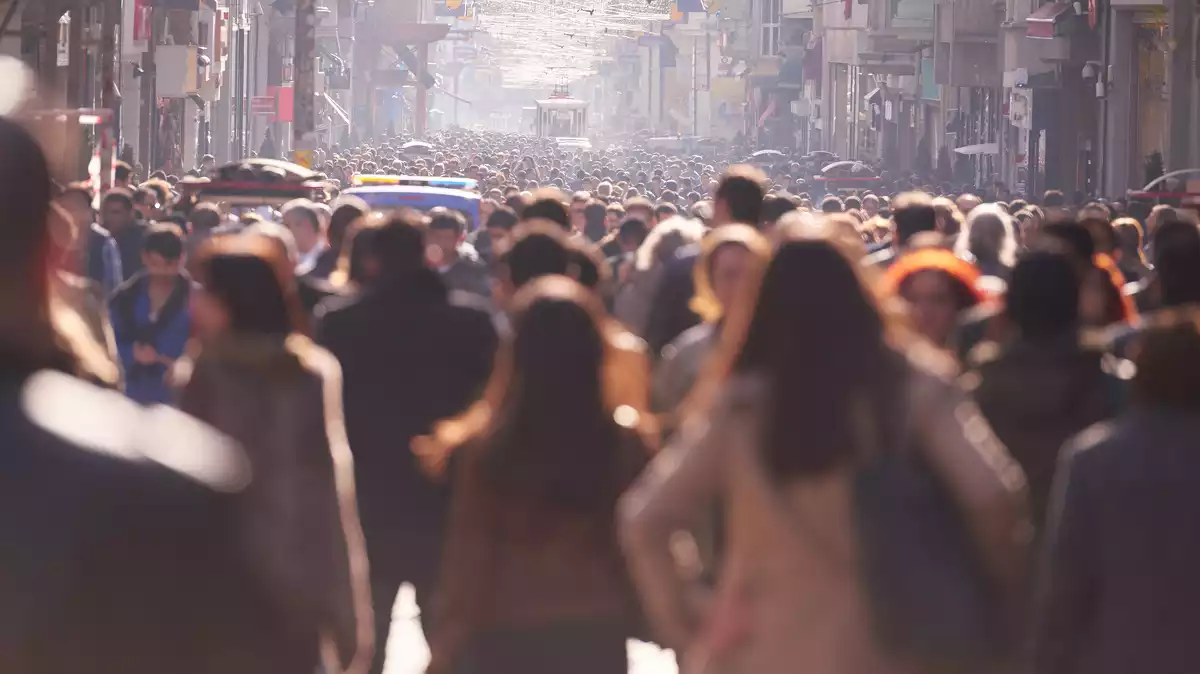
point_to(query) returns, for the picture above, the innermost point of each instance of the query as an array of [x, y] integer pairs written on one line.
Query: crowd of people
[[671, 398]]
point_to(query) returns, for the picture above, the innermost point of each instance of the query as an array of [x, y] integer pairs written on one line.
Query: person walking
[[808, 366], [260, 381], [1044, 385], [150, 318], [409, 357], [119, 545], [532, 580], [1117, 595]]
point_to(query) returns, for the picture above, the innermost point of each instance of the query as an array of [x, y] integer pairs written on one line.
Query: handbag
[[930, 601]]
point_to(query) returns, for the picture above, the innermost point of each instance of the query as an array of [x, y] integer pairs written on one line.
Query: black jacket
[[1119, 593], [1038, 395], [118, 546], [410, 356]]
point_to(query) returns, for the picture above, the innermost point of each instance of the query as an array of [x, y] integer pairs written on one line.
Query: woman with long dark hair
[[532, 580], [259, 380], [808, 366]]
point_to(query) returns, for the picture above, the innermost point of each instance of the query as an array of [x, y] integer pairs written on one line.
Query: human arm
[[671, 495], [1066, 585]]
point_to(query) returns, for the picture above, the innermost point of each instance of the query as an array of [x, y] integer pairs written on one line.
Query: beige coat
[[282, 401], [788, 597]]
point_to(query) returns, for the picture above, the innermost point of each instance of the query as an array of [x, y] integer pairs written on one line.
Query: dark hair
[[1168, 364], [633, 230], [348, 210], [517, 203], [253, 281], [1103, 235], [832, 204], [1177, 262], [442, 218], [1053, 199], [553, 441], [775, 207], [205, 217], [743, 193], [911, 214], [1016, 206], [587, 265], [1043, 294], [550, 209], [1077, 239], [815, 333], [122, 171], [537, 252], [120, 196], [665, 211], [306, 209], [853, 203], [502, 217], [594, 215], [164, 240]]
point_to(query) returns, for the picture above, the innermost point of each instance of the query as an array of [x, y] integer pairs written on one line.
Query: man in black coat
[[1119, 593], [411, 353], [119, 551]]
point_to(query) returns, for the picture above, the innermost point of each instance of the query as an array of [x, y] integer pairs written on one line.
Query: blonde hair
[[705, 303], [989, 227], [667, 237]]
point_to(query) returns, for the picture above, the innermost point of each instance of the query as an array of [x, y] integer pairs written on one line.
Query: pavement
[[409, 654]]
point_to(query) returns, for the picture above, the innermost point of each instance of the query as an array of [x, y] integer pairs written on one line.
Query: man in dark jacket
[[1119, 592], [410, 356], [1043, 386]]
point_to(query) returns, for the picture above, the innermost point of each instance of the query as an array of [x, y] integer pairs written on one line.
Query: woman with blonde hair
[[261, 381], [811, 383], [725, 257], [633, 303], [988, 238]]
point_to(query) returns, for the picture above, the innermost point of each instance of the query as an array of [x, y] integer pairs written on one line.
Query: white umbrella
[[983, 148]]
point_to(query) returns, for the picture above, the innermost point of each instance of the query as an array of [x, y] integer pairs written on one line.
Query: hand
[[144, 354]]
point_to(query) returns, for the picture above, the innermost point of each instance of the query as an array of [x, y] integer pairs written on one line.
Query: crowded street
[[614, 337]]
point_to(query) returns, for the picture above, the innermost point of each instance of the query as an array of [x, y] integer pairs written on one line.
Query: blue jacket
[[129, 311]]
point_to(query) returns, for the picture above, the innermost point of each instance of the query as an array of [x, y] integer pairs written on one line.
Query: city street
[[408, 654]]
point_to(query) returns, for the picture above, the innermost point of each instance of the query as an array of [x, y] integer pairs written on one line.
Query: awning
[[337, 109], [983, 148], [1040, 24]]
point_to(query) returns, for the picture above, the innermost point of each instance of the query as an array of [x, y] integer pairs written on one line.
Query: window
[[769, 12]]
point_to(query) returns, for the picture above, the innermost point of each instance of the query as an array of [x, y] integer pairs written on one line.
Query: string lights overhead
[[540, 43]]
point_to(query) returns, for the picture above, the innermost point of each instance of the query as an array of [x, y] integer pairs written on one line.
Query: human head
[[937, 286], [346, 209], [726, 256], [500, 225], [1168, 364], [832, 204], [949, 220], [246, 287], [540, 248], [579, 202], [162, 251], [301, 219], [966, 203], [76, 200], [204, 218], [988, 236], [631, 234], [122, 175], [1177, 261], [774, 207], [614, 214], [870, 204], [1043, 295], [912, 213], [642, 209], [595, 215], [665, 239], [444, 233], [116, 210], [807, 327], [549, 204]]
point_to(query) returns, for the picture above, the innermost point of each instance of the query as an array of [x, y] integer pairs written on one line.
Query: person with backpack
[[150, 318], [865, 499]]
